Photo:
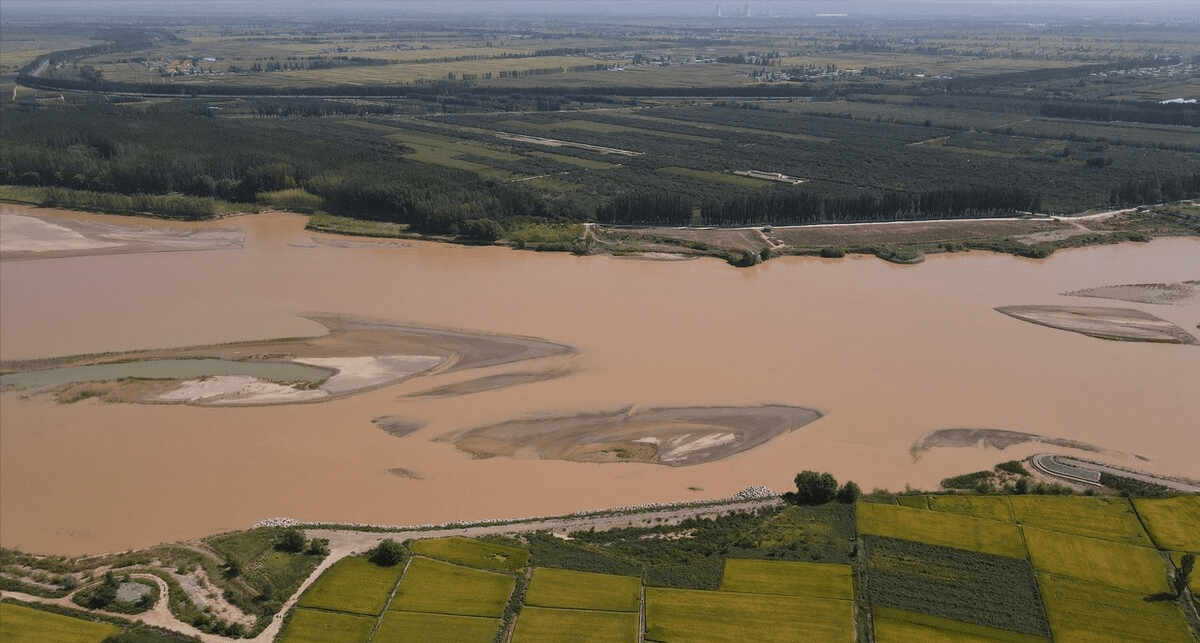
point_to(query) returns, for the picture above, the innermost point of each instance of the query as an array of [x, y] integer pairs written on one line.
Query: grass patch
[[294, 200], [1173, 523], [788, 578], [939, 528], [965, 586], [27, 625], [732, 179], [1135, 569], [913, 502], [540, 625], [354, 585], [474, 553], [404, 627], [583, 590], [1083, 612], [899, 626], [1104, 518], [992, 507], [322, 222], [442, 588], [262, 566], [692, 616], [315, 626]]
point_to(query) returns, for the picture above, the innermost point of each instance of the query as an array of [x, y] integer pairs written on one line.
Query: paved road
[[1170, 483]]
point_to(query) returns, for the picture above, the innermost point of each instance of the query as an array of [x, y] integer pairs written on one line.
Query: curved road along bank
[[347, 542], [1087, 466]]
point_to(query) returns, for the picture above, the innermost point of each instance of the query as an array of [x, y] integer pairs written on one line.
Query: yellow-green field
[[1128, 567], [562, 588], [694, 616], [913, 502], [319, 626], [1104, 518], [354, 585], [410, 627], [1083, 612], [898, 626], [473, 553], [442, 588], [1174, 523], [19, 624], [993, 507], [542, 625], [939, 528], [788, 578]]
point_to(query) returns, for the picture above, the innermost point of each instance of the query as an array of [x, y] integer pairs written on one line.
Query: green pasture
[[600, 127], [694, 616], [542, 625], [19, 624], [788, 578], [418, 627], [319, 626], [913, 502], [1084, 612], [1095, 517], [574, 160], [899, 626], [1128, 567], [354, 585], [732, 179], [562, 588], [939, 528], [1173, 523], [443, 588], [993, 507], [473, 553], [717, 127]]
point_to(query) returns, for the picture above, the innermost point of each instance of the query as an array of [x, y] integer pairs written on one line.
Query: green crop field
[[353, 584], [692, 616], [542, 625], [442, 588], [551, 587], [1136, 569], [1083, 612], [993, 507], [319, 626], [1174, 523], [1104, 518], [474, 553], [20, 624], [418, 627], [913, 502], [788, 578], [938, 528], [899, 626], [733, 179]]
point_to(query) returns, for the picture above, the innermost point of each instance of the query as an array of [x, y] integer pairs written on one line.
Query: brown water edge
[[887, 353]]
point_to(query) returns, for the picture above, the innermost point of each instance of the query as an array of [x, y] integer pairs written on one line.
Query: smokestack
[[718, 11], [746, 11]]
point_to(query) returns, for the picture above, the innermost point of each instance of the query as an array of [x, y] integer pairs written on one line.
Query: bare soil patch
[[1180, 293], [675, 437], [490, 383], [1124, 324]]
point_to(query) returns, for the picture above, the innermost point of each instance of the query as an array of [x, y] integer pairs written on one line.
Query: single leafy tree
[[814, 488], [849, 493], [292, 540], [387, 553], [1183, 575]]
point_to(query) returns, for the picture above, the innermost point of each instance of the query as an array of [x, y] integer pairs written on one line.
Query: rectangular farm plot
[[1083, 612], [1128, 567], [991, 507], [353, 585], [319, 626], [694, 616], [544, 625], [583, 590], [419, 627], [899, 626], [1103, 518], [27, 625], [474, 553], [940, 528], [1174, 523], [914, 502], [788, 578], [442, 588]]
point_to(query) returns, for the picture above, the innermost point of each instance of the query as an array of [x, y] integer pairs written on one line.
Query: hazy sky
[[1082, 9]]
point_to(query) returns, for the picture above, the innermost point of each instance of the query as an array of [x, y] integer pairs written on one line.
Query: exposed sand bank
[[45, 234], [677, 437], [1105, 323], [1177, 294], [998, 439]]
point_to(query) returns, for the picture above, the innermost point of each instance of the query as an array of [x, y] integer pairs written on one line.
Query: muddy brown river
[[886, 353]]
